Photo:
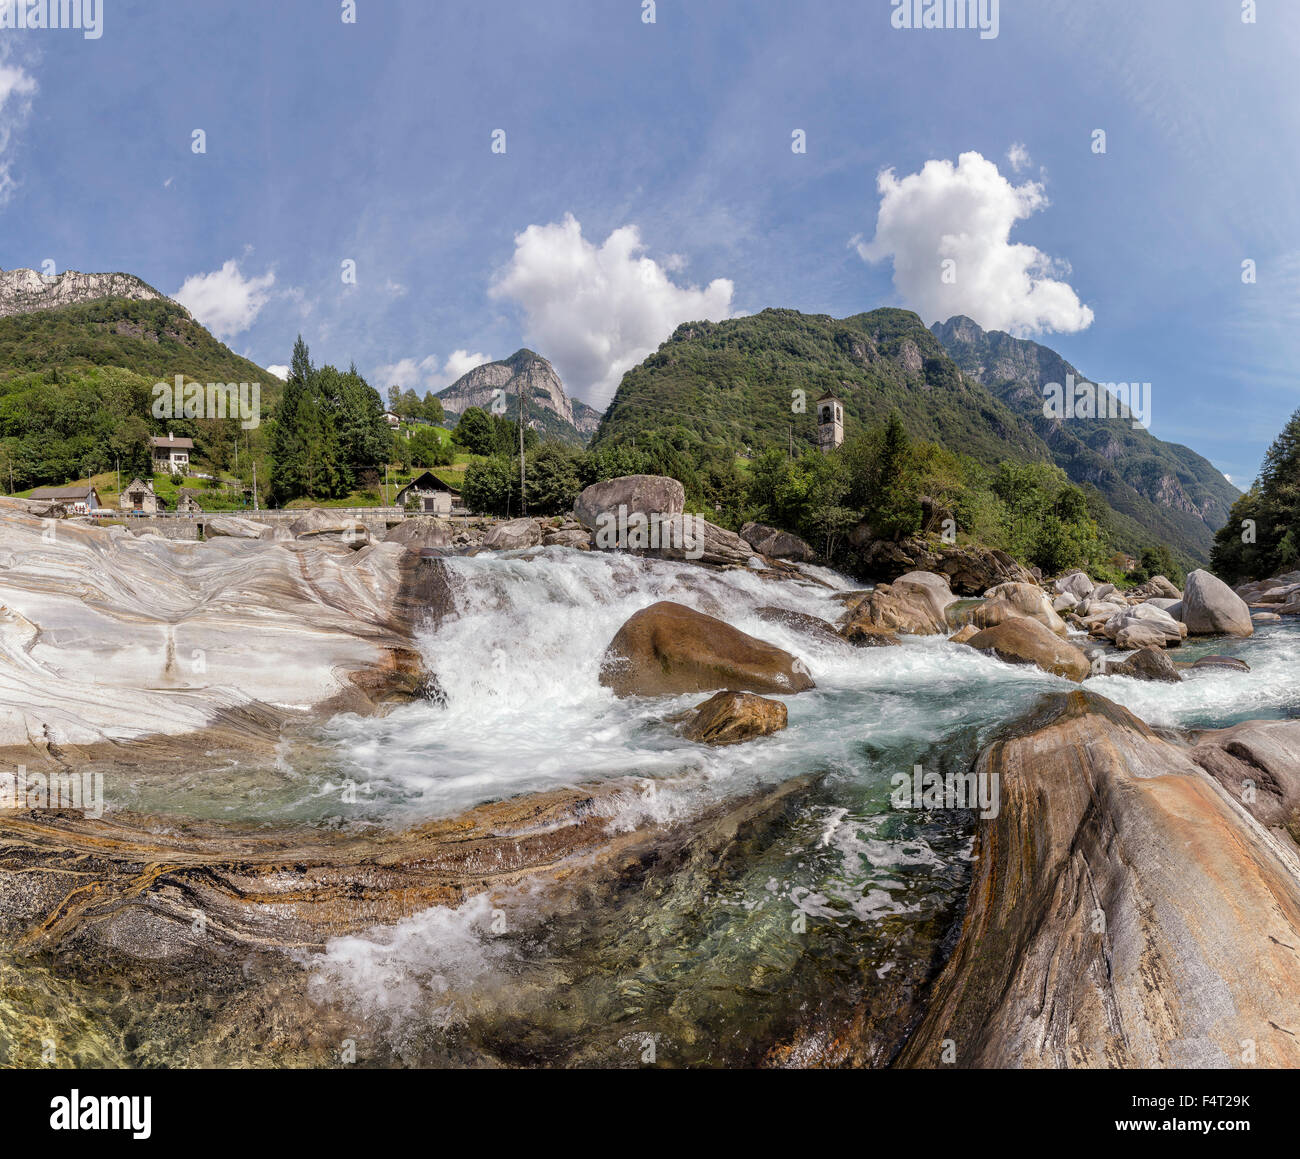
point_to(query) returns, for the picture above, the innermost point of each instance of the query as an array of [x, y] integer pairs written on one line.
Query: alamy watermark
[[83, 792], [84, 16], [982, 15], [219, 400], [922, 790], [1080, 399], [641, 531]]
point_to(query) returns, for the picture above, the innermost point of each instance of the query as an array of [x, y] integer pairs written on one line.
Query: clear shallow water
[[818, 907]]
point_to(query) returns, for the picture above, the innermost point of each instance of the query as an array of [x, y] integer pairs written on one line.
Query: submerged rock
[[802, 622], [732, 717], [1022, 640], [668, 649], [1123, 913], [1230, 663]]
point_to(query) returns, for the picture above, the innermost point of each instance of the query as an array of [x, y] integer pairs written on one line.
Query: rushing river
[[832, 904]]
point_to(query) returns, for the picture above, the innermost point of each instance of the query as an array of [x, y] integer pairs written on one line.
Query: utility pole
[[523, 498], [254, 484], [119, 475]]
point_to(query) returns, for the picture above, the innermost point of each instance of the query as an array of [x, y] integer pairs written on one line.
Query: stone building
[[830, 423]]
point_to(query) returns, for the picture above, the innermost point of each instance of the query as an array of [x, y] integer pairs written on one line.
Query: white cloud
[[17, 87], [425, 374], [595, 312], [225, 301], [964, 213], [1018, 157], [280, 372]]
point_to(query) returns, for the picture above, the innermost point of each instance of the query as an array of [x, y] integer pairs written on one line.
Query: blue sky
[[648, 177]]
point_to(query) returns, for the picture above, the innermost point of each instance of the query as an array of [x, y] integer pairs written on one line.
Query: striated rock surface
[[667, 649], [1125, 912], [1259, 764], [885, 612], [106, 637], [1032, 601]]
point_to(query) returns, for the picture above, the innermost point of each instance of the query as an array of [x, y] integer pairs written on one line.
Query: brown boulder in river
[[887, 611], [1024, 641], [667, 649], [1124, 912], [733, 717]]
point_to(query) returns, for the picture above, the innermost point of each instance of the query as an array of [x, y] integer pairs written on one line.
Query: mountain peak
[[27, 291], [547, 404]]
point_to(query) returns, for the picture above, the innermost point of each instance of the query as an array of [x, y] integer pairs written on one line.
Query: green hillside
[[76, 391], [730, 384]]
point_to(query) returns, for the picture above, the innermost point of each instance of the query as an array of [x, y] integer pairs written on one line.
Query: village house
[[392, 420], [81, 499], [139, 498], [171, 454], [187, 503], [432, 495]]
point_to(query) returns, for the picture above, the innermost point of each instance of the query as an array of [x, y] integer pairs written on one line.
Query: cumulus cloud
[[1018, 157], [280, 372], [425, 374], [225, 301], [17, 87], [948, 230], [596, 311]]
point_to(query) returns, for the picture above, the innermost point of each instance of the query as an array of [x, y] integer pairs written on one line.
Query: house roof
[[428, 481], [138, 482], [79, 492], [173, 443]]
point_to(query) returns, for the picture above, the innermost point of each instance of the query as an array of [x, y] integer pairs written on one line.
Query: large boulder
[[1022, 640], [568, 537], [991, 613], [777, 544], [1211, 608], [1157, 586], [933, 588], [1144, 625], [1032, 601], [668, 649], [692, 537], [514, 535], [1259, 764], [654, 496], [1111, 897], [420, 532], [732, 717], [218, 526], [331, 525], [884, 612], [1076, 584]]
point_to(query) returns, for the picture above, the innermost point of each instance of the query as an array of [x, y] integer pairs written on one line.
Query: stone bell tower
[[830, 423]]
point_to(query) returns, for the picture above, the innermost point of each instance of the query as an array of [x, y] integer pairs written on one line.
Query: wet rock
[[1231, 663], [933, 588], [668, 649], [1266, 618], [1211, 608], [964, 634], [1033, 602], [886, 612], [812, 626], [993, 612], [732, 717], [1150, 663], [969, 570], [1022, 640], [1112, 897], [1143, 626]]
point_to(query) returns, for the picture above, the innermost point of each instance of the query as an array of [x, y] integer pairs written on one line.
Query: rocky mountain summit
[[547, 403], [26, 291]]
